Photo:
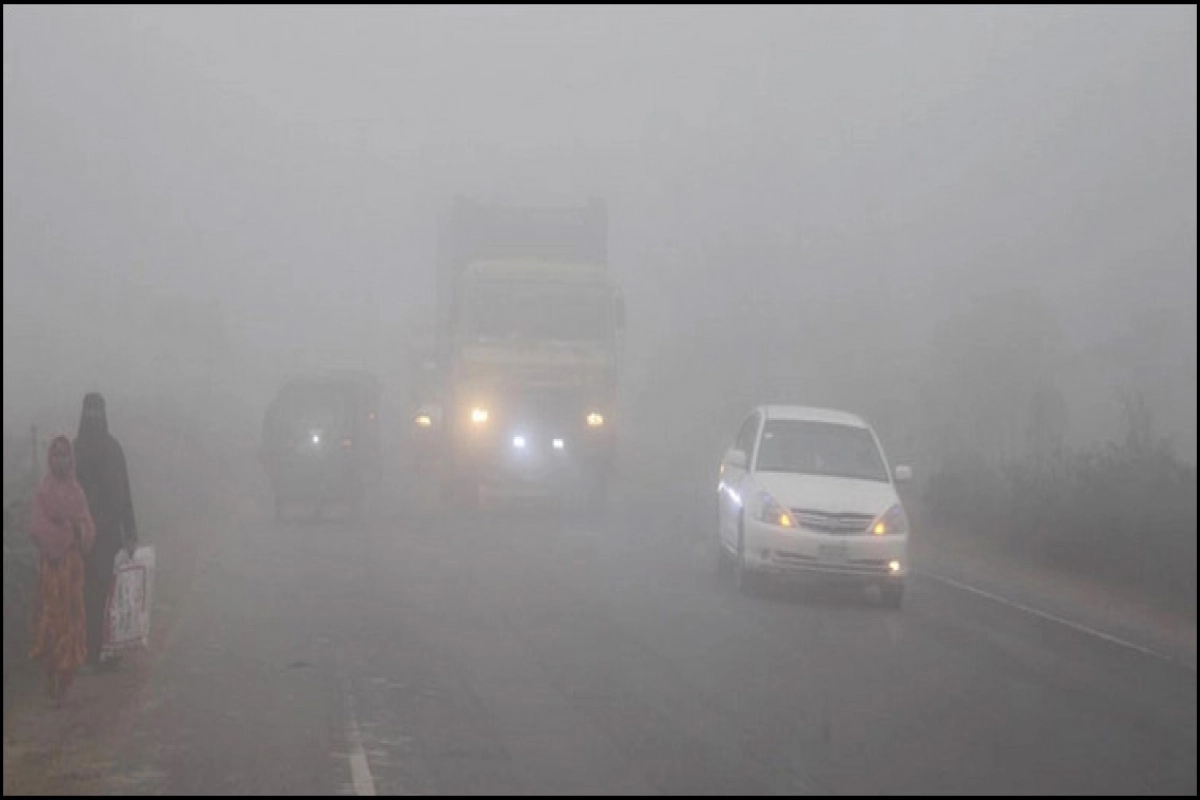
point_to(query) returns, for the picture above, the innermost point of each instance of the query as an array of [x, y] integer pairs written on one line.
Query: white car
[[807, 492]]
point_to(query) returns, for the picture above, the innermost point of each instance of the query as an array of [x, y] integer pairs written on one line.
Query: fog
[[975, 227], [199, 201]]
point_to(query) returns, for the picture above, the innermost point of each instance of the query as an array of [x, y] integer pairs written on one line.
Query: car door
[[733, 479]]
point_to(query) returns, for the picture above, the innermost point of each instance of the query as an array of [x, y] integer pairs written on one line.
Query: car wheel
[[720, 558], [892, 595], [747, 581]]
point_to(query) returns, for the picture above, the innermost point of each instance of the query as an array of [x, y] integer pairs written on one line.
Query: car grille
[[832, 523]]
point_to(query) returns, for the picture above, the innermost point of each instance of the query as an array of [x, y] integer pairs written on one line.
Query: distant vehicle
[[806, 492], [529, 331], [321, 442]]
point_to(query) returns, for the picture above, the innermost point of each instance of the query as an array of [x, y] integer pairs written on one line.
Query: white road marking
[[1060, 620], [360, 770]]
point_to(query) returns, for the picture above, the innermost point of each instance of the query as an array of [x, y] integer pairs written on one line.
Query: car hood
[[826, 494]]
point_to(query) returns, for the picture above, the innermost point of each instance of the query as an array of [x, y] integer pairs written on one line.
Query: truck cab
[[534, 366]]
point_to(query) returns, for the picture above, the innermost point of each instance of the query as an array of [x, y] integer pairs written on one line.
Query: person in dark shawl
[[101, 470]]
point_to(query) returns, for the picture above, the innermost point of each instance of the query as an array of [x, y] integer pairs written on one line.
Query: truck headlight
[[595, 420], [479, 415]]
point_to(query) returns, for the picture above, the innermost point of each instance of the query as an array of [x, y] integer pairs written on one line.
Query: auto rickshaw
[[321, 443]]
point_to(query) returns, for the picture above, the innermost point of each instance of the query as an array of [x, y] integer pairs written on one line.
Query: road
[[536, 652]]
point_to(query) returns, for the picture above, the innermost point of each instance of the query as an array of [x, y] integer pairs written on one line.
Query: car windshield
[[563, 313], [301, 409], [820, 448]]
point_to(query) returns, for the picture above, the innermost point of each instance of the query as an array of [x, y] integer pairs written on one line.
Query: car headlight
[[774, 514], [479, 415], [894, 520], [595, 420], [423, 421]]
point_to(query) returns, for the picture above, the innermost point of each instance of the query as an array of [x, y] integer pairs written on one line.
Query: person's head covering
[[61, 449], [60, 507], [91, 444], [93, 421]]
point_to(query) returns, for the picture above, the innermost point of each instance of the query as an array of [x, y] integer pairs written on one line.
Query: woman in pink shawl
[[63, 531]]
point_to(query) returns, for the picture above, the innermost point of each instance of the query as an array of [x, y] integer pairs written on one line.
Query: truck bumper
[[523, 458]]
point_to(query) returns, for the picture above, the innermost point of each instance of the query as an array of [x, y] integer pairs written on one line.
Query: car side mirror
[[737, 459], [904, 473]]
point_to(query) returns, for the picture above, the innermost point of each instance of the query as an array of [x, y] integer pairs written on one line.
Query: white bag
[[127, 613]]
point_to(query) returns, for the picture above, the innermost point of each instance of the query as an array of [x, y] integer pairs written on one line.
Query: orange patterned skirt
[[59, 632]]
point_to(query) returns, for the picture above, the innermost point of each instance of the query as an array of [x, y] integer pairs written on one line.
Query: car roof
[[811, 414]]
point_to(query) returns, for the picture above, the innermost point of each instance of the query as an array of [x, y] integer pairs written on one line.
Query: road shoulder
[[1082, 601]]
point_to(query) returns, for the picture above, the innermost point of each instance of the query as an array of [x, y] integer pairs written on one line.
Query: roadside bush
[[967, 489], [1124, 512]]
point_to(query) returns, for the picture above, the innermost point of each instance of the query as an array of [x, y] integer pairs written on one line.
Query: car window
[[821, 448], [745, 437]]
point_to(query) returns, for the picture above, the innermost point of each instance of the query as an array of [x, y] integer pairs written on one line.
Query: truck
[[529, 329]]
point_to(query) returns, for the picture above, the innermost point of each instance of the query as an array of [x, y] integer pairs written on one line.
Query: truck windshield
[[564, 313]]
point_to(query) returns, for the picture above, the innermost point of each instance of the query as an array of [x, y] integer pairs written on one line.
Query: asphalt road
[[539, 652]]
